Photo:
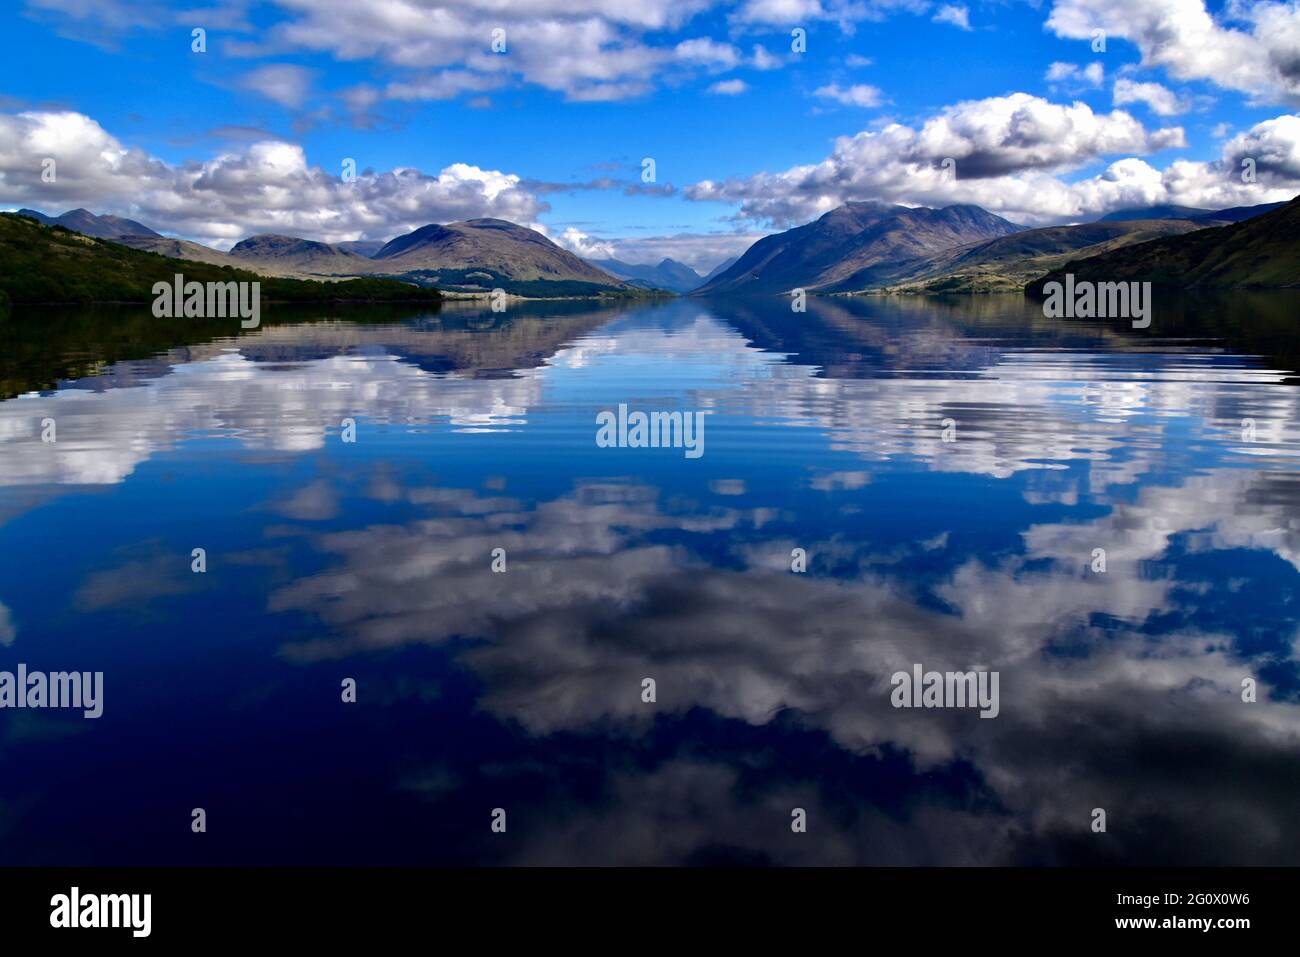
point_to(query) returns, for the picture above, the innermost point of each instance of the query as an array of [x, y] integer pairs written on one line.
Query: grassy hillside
[[184, 249], [1259, 253], [1008, 263], [50, 264]]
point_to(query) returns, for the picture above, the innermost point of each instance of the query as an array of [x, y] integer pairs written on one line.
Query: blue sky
[[747, 135]]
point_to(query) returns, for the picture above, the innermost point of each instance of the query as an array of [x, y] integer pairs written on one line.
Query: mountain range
[[870, 247], [854, 248], [470, 256], [1234, 215], [301, 255], [47, 264], [669, 274], [88, 224], [473, 256], [485, 254], [1006, 264], [1260, 252], [719, 269]]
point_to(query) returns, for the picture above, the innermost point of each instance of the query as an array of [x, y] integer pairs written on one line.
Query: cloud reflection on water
[[1120, 690]]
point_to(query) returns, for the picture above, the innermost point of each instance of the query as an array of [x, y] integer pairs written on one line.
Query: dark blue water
[[522, 689]]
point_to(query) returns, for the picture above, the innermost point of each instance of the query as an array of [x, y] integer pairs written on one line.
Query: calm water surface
[[477, 690]]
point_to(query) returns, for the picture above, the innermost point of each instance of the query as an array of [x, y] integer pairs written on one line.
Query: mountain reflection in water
[[522, 690]]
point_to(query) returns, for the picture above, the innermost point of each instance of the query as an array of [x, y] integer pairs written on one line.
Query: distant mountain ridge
[[1260, 252], [1006, 264], [1166, 211], [88, 224], [484, 254], [300, 255], [719, 269], [41, 264], [854, 246], [363, 247], [669, 274], [1009, 263], [474, 256], [179, 249], [1238, 214], [1234, 215]]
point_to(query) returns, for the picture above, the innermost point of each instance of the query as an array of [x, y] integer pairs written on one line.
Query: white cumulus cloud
[[1190, 43], [268, 186], [1159, 99], [1008, 153]]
